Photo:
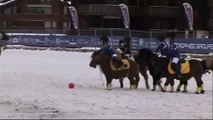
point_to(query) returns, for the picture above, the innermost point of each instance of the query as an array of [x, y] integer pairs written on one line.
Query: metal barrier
[[76, 41]]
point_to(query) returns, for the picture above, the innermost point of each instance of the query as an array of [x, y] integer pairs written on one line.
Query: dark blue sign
[[185, 45]]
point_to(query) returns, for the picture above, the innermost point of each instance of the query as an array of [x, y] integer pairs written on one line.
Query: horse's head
[[97, 58], [159, 64], [144, 55]]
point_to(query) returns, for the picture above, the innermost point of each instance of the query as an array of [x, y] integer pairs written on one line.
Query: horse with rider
[[171, 66]]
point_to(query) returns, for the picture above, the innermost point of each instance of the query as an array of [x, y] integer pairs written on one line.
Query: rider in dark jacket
[[107, 49], [170, 50], [125, 47]]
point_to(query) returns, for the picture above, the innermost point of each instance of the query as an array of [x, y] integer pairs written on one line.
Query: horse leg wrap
[[132, 87], [198, 90], [154, 88], [179, 86], [202, 89], [135, 86], [109, 86], [162, 89], [165, 88], [185, 88], [172, 89]]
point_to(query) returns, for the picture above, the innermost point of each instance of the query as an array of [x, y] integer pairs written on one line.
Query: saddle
[[126, 65], [184, 67]]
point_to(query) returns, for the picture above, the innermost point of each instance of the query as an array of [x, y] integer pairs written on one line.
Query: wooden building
[[144, 14]]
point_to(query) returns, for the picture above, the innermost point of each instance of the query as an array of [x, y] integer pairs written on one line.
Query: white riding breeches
[[127, 55], [175, 60], [119, 50], [114, 55], [132, 58]]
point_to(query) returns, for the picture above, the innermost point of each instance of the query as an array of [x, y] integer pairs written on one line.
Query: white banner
[[125, 15], [74, 16], [189, 14]]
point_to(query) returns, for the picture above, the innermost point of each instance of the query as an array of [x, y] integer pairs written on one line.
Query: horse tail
[[205, 68]]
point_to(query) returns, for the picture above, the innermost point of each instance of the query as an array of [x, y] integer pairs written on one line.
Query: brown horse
[[158, 67], [207, 64], [196, 69], [142, 68], [111, 72]]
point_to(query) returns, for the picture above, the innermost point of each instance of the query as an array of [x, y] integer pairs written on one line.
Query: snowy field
[[34, 85]]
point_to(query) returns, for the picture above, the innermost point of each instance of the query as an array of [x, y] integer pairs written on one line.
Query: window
[[132, 2], [38, 1], [158, 2], [39, 6], [40, 10]]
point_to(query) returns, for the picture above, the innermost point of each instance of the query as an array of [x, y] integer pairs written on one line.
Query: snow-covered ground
[[34, 84]]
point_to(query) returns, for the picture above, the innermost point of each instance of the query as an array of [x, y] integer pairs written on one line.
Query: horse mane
[[98, 52], [145, 54], [95, 53], [146, 51], [143, 50]]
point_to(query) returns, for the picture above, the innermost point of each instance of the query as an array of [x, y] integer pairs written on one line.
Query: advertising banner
[[189, 14], [74, 16], [125, 15], [189, 45]]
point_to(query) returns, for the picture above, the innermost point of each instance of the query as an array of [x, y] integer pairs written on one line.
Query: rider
[[107, 49], [125, 47], [171, 51]]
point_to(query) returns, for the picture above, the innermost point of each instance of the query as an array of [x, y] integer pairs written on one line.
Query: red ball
[[71, 85]]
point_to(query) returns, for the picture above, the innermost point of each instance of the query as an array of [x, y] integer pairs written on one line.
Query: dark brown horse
[[207, 65], [197, 69], [158, 67], [110, 72], [144, 60]]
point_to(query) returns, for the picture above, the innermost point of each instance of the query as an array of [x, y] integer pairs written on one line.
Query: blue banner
[[185, 45]]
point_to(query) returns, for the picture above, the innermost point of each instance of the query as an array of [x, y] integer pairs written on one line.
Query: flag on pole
[[125, 15], [189, 14], [74, 16]]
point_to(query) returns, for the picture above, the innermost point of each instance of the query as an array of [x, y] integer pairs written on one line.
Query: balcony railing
[[99, 9], [163, 11], [114, 10], [106, 31], [30, 16]]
